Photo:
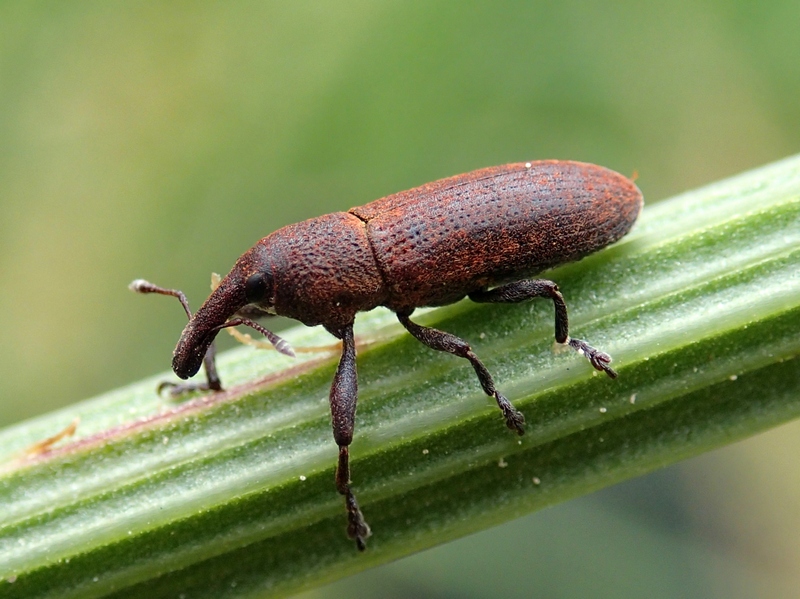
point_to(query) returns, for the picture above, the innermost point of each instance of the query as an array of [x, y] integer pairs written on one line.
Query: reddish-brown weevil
[[477, 235]]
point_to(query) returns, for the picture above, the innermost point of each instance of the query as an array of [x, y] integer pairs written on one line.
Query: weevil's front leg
[[441, 341], [213, 382], [524, 290], [344, 393]]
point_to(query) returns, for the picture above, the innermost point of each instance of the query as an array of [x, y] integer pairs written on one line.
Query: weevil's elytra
[[479, 235]]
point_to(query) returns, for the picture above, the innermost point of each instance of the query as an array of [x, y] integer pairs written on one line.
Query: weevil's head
[[246, 290]]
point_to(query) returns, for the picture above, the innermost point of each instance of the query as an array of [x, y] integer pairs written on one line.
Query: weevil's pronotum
[[477, 235]]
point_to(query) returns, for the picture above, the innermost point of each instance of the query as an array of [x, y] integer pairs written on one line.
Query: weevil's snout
[[248, 283], [189, 353], [203, 327]]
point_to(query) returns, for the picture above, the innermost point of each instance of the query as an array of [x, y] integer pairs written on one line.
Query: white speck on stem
[[537, 480], [633, 399], [733, 377], [603, 410], [501, 463], [302, 477], [425, 452]]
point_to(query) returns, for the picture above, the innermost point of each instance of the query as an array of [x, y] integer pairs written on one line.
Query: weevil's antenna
[[279, 343], [142, 286], [175, 390]]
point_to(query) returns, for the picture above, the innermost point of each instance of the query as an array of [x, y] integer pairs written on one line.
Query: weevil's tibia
[[447, 342], [344, 393], [524, 290]]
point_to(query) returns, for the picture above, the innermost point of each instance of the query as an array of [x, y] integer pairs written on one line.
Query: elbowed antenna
[[143, 286], [213, 383], [199, 333]]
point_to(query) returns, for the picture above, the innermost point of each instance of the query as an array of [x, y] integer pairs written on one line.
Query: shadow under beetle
[[477, 235]]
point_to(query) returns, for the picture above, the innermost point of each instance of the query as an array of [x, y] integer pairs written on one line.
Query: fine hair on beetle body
[[481, 235]]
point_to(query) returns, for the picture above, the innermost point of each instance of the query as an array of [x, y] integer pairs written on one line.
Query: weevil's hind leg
[[213, 382], [344, 393], [441, 341], [525, 290]]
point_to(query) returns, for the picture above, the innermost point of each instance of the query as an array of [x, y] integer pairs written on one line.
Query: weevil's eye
[[257, 288]]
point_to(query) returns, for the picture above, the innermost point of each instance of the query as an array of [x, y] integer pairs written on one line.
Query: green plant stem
[[231, 495]]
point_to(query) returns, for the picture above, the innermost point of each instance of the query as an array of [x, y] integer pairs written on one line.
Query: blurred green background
[[161, 140]]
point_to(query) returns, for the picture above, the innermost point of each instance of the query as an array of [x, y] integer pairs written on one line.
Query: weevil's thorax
[[323, 270]]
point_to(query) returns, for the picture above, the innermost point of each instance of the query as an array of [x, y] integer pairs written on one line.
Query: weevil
[[480, 235]]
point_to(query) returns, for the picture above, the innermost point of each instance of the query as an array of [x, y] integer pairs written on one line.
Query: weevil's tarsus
[[599, 359], [357, 528], [176, 390]]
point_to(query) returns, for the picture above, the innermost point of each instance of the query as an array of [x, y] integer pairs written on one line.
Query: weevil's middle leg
[[441, 341], [344, 393], [524, 290]]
